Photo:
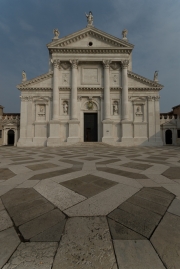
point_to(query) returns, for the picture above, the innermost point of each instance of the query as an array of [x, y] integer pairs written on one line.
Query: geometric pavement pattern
[[90, 206]]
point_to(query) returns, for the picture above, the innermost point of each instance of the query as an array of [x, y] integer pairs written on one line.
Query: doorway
[[168, 137], [90, 127], [10, 137]]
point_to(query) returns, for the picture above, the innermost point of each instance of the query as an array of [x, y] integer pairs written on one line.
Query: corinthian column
[[106, 90], [125, 64], [74, 65], [55, 90]]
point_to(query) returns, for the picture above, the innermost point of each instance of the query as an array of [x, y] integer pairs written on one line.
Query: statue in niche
[[115, 108], [138, 111], [56, 33], [41, 109], [156, 76], [89, 18], [24, 78], [65, 108], [115, 78]]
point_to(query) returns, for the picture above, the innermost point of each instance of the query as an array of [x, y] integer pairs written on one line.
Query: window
[[0, 133], [178, 133]]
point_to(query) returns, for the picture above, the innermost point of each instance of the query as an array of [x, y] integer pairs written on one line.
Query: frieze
[[89, 89], [90, 51], [36, 89], [133, 89], [64, 89]]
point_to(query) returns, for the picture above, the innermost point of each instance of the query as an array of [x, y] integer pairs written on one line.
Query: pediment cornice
[[144, 80], [29, 83], [114, 42]]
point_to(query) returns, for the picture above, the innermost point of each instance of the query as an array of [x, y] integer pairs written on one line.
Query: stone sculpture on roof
[[89, 18]]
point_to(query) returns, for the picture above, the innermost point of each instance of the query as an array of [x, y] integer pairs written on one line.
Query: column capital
[[125, 63], [107, 63], [56, 63], [74, 63]]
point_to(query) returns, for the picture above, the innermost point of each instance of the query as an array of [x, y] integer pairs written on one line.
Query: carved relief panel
[[41, 112], [90, 75], [138, 109], [115, 79], [65, 79]]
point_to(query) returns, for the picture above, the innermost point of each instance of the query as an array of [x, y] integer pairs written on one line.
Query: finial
[[124, 34], [24, 78], [156, 76], [56, 34], [89, 19]]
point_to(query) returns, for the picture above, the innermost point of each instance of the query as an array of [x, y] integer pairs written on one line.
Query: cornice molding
[[132, 89], [84, 89], [90, 50], [144, 80], [35, 80], [36, 89]]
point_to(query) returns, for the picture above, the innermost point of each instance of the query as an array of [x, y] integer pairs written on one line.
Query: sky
[[26, 26]]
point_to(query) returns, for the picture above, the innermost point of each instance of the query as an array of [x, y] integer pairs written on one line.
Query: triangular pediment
[[82, 39], [137, 81], [43, 81]]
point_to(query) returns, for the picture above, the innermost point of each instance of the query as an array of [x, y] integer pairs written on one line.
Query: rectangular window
[[178, 133], [0, 133]]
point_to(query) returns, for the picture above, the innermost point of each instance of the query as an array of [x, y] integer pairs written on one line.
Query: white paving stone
[[103, 203], [60, 196], [174, 188], [175, 207], [5, 221], [86, 244]]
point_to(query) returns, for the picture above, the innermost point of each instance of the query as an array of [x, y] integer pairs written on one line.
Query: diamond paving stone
[[5, 221], [132, 254], [52, 174], [89, 185], [108, 161], [140, 166], [33, 255], [86, 243], [122, 173], [172, 173], [166, 240], [41, 166], [90, 158], [175, 207], [41, 224], [5, 174], [9, 241]]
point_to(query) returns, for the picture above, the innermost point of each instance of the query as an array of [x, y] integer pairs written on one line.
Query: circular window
[[90, 44]]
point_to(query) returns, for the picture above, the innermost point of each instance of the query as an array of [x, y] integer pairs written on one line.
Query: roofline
[[176, 106]]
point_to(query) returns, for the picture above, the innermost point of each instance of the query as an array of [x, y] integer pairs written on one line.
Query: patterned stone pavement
[[90, 206]]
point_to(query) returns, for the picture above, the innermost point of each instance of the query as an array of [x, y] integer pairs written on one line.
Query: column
[[125, 64], [74, 123], [107, 105], [56, 90], [74, 65]]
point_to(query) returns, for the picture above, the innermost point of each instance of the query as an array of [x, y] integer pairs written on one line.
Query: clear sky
[[26, 26]]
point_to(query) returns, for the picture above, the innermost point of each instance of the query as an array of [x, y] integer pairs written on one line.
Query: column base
[[54, 142]]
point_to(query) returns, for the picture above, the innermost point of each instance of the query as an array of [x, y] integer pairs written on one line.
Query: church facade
[[89, 94]]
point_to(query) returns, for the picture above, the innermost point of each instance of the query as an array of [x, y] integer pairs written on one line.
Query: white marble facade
[[90, 71]]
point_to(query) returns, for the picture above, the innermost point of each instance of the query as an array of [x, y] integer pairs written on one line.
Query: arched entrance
[[10, 137], [168, 137]]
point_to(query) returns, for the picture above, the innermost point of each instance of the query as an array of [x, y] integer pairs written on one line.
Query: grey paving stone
[[157, 158], [150, 205], [175, 207], [27, 162], [5, 221], [5, 174], [90, 158], [85, 244], [166, 240], [1, 205], [159, 192], [120, 232], [152, 161], [154, 198], [26, 215], [42, 223], [140, 212], [133, 254], [33, 256], [133, 222], [19, 196], [52, 174], [36, 167], [108, 161], [22, 159], [8, 243], [53, 234], [122, 173], [140, 166], [172, 173]]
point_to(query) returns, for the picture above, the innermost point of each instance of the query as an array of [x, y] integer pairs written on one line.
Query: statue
[[65, 108], [56, 33], [89, 18], [115, 108], [124, 34], [156, 76], [24, 78]]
